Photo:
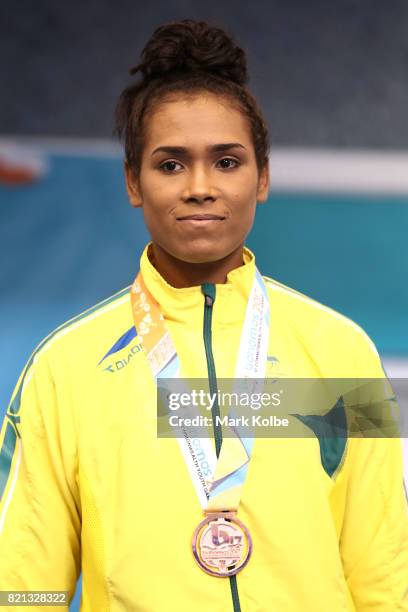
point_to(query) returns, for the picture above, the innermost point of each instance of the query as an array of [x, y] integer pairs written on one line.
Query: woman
[[164, 524]]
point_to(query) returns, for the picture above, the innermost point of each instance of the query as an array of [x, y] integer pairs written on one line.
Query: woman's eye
[[228, 160], [169, 166]]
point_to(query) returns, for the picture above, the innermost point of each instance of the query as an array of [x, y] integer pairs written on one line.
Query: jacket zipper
[[208, 290]]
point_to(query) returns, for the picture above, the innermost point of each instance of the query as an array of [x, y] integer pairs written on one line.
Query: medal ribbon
[[222, 489]]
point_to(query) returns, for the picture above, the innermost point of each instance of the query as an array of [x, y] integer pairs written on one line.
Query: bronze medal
[[221, 544]]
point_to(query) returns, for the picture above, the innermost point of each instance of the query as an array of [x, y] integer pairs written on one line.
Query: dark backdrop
[[326, 73]]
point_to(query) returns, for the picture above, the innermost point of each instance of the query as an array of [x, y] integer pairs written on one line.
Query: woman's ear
[[132, 187], [263, 184]]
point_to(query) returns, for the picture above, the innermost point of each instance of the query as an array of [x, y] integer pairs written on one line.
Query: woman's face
[[198, 183]]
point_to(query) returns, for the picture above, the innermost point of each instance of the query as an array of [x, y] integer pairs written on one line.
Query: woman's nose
[[199, 185]]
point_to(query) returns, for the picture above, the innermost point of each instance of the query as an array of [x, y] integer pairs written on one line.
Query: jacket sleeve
[[374, 536], [39, 501]]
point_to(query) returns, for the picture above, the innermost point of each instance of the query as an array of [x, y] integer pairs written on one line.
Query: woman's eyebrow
[[212, 148]]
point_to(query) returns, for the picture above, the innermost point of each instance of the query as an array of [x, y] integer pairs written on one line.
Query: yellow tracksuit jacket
[[86, 484]]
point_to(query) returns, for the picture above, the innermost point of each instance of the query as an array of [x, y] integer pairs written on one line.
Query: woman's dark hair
[[187, 57]]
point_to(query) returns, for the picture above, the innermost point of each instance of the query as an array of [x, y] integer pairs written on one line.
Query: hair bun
[[187, 46]]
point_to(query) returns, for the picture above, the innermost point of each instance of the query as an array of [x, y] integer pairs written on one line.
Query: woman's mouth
[[200, 220]]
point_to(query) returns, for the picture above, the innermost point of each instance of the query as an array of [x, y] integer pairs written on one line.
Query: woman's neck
[[181, 274]]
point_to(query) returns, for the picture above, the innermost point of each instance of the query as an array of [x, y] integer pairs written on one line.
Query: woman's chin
[[203, 255], [198, 252]]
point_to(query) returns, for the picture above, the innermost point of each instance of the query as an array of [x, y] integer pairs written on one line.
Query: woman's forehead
[[204, 118]]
